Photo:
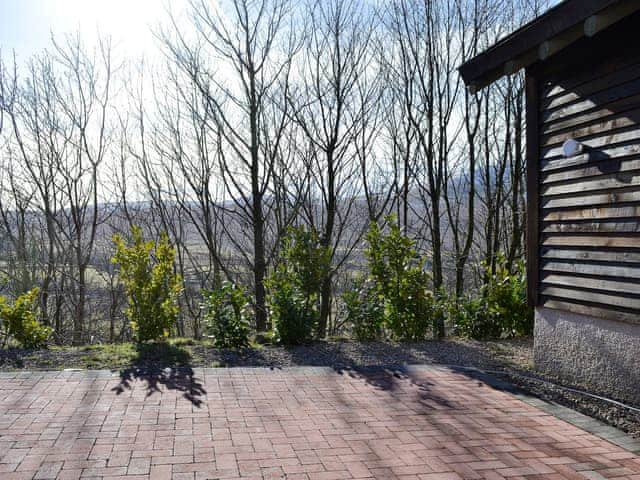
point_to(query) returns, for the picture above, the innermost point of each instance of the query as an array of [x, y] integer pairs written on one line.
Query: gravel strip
[[493, 355]]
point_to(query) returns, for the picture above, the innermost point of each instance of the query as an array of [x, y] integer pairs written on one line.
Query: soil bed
[[511, 360]]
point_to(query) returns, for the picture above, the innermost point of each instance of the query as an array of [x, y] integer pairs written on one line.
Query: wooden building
[[582, 64]]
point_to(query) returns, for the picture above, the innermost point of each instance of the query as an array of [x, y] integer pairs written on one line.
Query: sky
[[26, 25]]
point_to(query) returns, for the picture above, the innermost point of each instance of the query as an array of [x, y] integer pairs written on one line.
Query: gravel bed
[[511, 360], [344, 354], [339, 354]]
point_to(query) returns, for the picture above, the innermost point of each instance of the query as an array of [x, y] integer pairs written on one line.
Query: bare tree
[[475, 20], [36, 142], [83, 93], [15, 197], [333, 106], [424, 61], [178, 158], [501, 178], [7, 90], [263, 114], [240, 64]]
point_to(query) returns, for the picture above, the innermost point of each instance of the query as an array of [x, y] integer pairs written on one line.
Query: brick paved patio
[[311, 423]]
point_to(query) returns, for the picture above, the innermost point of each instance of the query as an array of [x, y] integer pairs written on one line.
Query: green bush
[[364, 312], [20, 320], [227, 316], [469, 318], [295, 318], [294, 285], [500, 309], [152, 287], [400, 280]]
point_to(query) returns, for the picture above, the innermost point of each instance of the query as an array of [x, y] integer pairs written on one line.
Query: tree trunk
[[259, 272], [259, 262], [78, 318], [325, 294], [436, 246], [325, 306]]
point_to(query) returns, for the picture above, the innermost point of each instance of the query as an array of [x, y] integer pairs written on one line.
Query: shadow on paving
[[388, 379], [385, 366], [177, 375], [382, 364]]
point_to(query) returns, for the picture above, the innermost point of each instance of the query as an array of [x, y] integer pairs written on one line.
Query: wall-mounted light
[[571, 148]]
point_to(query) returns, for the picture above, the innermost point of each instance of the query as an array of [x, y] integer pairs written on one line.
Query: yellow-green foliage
[[20, 320], [152, 287]]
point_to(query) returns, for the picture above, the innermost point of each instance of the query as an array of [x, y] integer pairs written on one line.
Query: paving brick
[[48, 470], [139, 466], [304, 423]]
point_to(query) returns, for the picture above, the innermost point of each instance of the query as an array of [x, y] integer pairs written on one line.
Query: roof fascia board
[[521, 48]]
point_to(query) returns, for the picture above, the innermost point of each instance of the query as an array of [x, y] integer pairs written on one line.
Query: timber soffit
[[553, 31]]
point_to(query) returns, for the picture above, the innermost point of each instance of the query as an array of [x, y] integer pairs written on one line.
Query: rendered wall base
[[602, 355]]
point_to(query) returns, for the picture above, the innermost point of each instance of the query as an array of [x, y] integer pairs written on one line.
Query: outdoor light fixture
[[571, 148]]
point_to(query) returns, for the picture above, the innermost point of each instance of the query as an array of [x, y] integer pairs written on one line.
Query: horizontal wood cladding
[[592, 310], [570, 254], [593, 226], [621, 271], [607, 182], [593, 241], [592, 214], [615, 122], [596, 143], [596, 284], [592, 164], [588, 217], [606, 198], [562, 95], [599, 113], [592, 296]]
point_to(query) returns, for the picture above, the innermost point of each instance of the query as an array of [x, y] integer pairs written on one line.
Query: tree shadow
[[11, 358], [389, 379], [161, 365], [384, 366], [359, 356]]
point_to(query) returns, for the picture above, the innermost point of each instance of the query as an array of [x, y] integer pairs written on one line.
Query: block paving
[[297, 423]]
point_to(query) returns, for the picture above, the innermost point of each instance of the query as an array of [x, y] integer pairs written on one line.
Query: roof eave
[[550, 33]]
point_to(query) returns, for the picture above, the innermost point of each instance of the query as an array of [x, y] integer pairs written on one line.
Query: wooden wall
[[586, 209]]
